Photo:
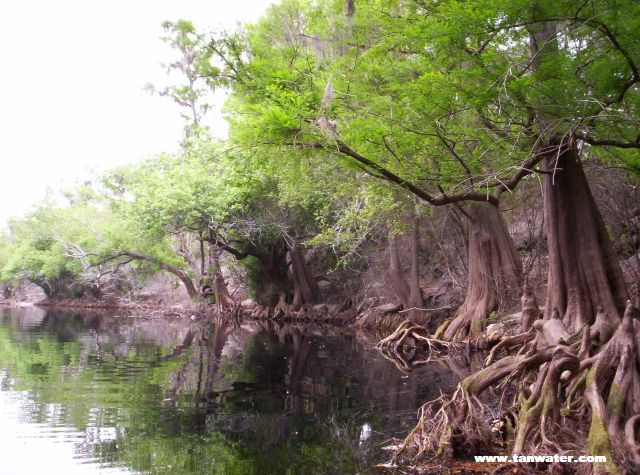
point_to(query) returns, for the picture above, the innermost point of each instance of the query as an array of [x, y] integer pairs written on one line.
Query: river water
[[99, 393]]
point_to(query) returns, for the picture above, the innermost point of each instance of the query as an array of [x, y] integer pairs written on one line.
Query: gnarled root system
[[565, 393], [410, 346]]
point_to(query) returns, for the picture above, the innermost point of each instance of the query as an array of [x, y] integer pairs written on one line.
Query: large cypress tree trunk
[[394, 273], [583, 269], [585, 388], [495, 272], [305, 288], [224, 301]]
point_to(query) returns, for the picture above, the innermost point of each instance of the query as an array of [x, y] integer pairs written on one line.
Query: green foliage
[[35, 251], [326, 105], [265, 285], [203, 186], [445, 95], [493, 317], [57, 245]]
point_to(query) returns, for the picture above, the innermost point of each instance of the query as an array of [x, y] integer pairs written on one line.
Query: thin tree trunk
[[415, 292], [185, 251], [583, 269], [409, 293], [202, 256], [495, 272], [184, 278]]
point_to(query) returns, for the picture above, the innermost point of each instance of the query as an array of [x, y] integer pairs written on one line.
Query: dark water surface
[[89, 393]]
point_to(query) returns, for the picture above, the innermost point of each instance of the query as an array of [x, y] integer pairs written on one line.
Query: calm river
[[98, 393]]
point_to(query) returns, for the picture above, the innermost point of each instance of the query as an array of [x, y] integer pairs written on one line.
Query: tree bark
[[6, 290], [584, 272], [202, 256], [394, 273], [583, 269], [184, 250], [305, 288], [415, 292], [409, 293], [51, 287], [224, 301], [495, 272], [180, 274]]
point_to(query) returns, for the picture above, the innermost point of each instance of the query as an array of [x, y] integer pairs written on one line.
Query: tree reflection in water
[[212, 397]]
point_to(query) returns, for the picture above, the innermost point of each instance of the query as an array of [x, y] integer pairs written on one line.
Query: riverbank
[[126, 309], [341, 303], [368, 314]]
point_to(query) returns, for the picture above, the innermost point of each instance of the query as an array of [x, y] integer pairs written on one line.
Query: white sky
[[71, 79]]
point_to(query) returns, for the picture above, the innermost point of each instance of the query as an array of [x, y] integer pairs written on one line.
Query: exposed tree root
[[566, 393], [384, 318], [632, 437], [410, 346], [376, 317], [285, 311], [509, 343], [442, 423]]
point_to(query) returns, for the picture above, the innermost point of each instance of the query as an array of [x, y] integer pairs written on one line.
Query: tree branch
[[133, 255], [439, 200], [609, 143]]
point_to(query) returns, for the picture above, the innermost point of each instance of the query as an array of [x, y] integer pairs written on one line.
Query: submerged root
[[410, 346]]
